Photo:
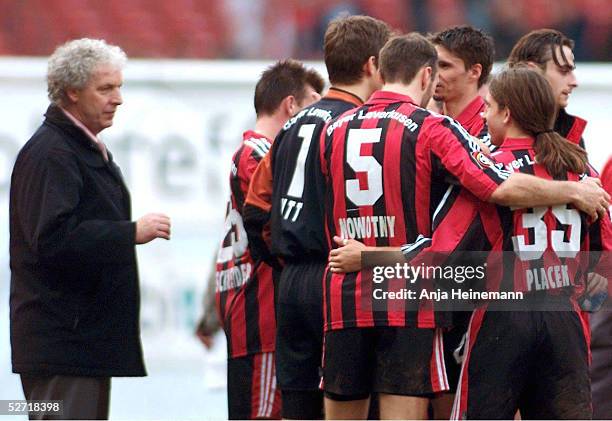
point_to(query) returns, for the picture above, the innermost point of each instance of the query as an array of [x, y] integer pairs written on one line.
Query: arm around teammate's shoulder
[[524, 190]]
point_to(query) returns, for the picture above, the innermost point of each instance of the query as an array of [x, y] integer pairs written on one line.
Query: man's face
[[561, 78], [495, 116], [453, 79], [96, 103]]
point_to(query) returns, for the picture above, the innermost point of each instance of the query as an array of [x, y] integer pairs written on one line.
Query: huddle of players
[[369, 150]]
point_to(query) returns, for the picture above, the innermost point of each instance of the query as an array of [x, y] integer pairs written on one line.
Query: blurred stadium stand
[[268, 29]]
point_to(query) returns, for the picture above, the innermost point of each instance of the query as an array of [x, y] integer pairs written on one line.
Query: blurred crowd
[[269, 29]]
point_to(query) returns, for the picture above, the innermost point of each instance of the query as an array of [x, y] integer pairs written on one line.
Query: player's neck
[[516, 132], [360, 90], [455, 107], [269, 125], [412, 90]]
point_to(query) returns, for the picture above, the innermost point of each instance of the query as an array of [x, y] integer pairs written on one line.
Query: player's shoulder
[[437, 119], [337, 106], [438, 126], [343, 118], [319, 114], [254, 147]]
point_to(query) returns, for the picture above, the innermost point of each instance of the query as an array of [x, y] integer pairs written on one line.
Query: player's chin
[[563, 100]]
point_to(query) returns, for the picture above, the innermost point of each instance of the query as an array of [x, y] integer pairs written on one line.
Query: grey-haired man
[[75, 299]]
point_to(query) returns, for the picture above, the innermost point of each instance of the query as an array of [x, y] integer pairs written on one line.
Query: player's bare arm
[[525, 190]]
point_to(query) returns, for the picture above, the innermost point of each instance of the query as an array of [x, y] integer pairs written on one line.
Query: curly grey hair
[[72, 64]]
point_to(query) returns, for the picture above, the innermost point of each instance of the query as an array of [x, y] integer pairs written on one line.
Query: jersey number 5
[[363, 163]]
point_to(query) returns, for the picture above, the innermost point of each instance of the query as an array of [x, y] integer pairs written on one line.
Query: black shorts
[[393, 360], [251, 388], [532, 361], [299, 326]]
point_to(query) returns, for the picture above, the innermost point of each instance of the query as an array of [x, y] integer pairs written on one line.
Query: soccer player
[[465, 60], [532, 358], [601, 340], [550, 52], [283, 194], [244, 284], [387, 166]]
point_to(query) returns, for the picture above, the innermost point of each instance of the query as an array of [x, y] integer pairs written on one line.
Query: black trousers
[[82, 397]]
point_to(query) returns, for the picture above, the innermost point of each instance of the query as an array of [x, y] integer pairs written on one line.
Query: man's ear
[[72, 95], [370, 68], [425, 77], [289, 105], [533, 66], [507, 115], [475, 71]]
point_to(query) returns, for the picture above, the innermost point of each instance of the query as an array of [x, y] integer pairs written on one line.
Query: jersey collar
[[251, 134], [569, 126], [470, 112], [342, 95], [517, 143]]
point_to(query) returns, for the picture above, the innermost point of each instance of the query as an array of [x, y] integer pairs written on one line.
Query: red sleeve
[[600, 254], [606, 176], [462, 157], [600, 233], [606, 232], [457, 227], [462, 226]]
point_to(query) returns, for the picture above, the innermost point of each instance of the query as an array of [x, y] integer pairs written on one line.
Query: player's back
[[244, 287], [297, 222], [366, 160], [370, 158], [544, 249], [550, 243], [392, 158]]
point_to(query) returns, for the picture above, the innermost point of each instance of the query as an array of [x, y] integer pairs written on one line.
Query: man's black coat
[[75, 299]]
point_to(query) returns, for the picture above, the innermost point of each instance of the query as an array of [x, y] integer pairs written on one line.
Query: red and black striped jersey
[[472, 121], [570, 127], [387, 165], [539, 250], [293, 206], [244, 285]]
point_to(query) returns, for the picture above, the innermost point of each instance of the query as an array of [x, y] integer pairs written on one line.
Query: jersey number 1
[[291, 208]]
